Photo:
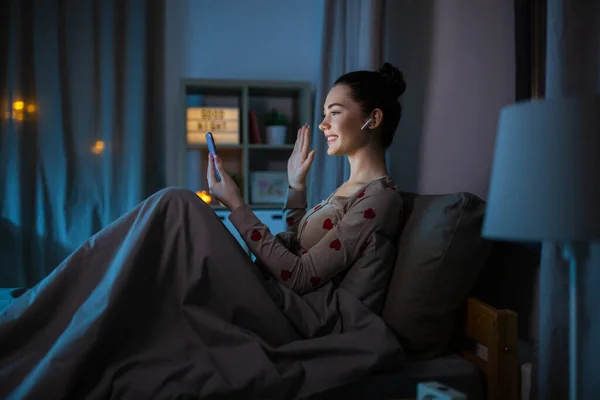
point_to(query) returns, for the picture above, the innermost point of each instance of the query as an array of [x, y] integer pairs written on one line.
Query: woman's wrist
[[236, 203], [297, 186]]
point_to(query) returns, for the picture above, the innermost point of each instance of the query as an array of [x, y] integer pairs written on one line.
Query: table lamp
[[545, 186]]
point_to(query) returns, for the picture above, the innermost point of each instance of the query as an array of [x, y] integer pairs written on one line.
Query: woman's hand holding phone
[[212, 149], [300, 160], [220, 184]]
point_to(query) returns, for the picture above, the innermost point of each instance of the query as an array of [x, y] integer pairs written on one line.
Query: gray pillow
[[440, 255]]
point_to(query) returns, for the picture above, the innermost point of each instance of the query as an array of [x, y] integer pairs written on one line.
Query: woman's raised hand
[[300, 160]]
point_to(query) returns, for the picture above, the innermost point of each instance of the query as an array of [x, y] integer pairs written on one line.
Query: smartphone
[[212, 149]]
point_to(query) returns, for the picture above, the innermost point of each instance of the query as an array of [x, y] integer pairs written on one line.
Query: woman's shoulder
[[379, 202], [382, 192]]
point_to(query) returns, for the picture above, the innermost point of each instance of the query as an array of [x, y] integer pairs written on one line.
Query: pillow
[[440, 255]]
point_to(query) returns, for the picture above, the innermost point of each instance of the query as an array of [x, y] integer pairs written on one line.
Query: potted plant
[[276, 127]]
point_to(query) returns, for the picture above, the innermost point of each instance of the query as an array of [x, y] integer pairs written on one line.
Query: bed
[[449, 337], [483, 366]]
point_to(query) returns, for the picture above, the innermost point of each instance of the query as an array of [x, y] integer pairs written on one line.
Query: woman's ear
[[376, 118]]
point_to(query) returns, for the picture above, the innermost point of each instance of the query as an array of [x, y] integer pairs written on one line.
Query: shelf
[[219, 146], [288, 101], [269, 159], [241, 146], [213, 97], [271, 146], [293, 99]]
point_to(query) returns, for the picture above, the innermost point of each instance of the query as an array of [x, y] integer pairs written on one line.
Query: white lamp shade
[[545, 182]]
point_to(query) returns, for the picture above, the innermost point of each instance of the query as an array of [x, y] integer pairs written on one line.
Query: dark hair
[[378, 89]]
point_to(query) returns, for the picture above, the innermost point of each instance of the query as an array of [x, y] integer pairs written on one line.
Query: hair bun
[[394, 78]]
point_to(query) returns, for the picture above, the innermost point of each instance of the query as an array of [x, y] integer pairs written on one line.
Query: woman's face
[[342, 122]]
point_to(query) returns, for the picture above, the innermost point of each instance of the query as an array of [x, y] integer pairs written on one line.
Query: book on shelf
[[254, 131]]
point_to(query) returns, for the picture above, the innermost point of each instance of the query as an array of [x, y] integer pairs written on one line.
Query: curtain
[[353, 39], [80, 137], [530, 48], [572, 69], [530, 64]]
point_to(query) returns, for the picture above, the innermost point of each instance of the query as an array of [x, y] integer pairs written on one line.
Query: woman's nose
[[323, 125]]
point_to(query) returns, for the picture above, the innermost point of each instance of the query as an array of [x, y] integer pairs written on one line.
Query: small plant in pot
[[276, 127]]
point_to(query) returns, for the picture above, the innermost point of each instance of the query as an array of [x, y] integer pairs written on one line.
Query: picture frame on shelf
[[268, 187]]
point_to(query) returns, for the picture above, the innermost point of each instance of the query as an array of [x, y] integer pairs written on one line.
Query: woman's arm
[[377, 212], [294, 209]]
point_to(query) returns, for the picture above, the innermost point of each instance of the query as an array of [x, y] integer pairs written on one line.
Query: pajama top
[[326, 240]]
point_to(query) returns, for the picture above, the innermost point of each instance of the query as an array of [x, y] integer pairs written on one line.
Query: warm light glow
[[98, 147], [18, 105], [30, 108], [205, 196]]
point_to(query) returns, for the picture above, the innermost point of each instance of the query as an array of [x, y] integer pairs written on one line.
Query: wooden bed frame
[[488, 338]]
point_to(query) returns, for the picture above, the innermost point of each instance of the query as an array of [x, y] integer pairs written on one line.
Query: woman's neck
[[367, 164]]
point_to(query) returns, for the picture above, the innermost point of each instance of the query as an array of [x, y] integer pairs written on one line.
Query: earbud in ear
[[366, 123]]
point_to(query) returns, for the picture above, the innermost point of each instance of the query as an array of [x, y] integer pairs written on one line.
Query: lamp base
[[575, 254]]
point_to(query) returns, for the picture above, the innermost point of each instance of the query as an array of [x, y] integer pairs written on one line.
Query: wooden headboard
[[489, 338]]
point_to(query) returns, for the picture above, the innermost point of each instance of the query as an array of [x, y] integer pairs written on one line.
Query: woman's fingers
[[218, 163], [297, 144], [210, 172], [302, 138], [306, 142], [300, 152], [309, 158], [219, 169]]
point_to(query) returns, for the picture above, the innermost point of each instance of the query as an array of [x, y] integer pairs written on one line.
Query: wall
[[266, 39], [458, 58]]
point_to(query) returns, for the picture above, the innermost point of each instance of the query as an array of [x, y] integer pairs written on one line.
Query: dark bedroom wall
[[459, 60]]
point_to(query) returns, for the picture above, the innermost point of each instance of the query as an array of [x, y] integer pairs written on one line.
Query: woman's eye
[[332, 113]]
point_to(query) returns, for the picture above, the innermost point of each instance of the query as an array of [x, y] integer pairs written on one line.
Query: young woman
[[163, 303]]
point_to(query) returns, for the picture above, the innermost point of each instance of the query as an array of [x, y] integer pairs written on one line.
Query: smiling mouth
[[331, 139]]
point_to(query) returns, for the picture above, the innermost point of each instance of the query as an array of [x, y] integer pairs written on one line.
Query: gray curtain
[[572, 69], [353, 39], [81, 133]]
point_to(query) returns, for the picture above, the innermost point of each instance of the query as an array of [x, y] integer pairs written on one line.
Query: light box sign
[[213, 126], [223, 122]]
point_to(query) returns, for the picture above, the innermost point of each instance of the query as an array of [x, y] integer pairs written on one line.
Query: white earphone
[[366, 123]]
